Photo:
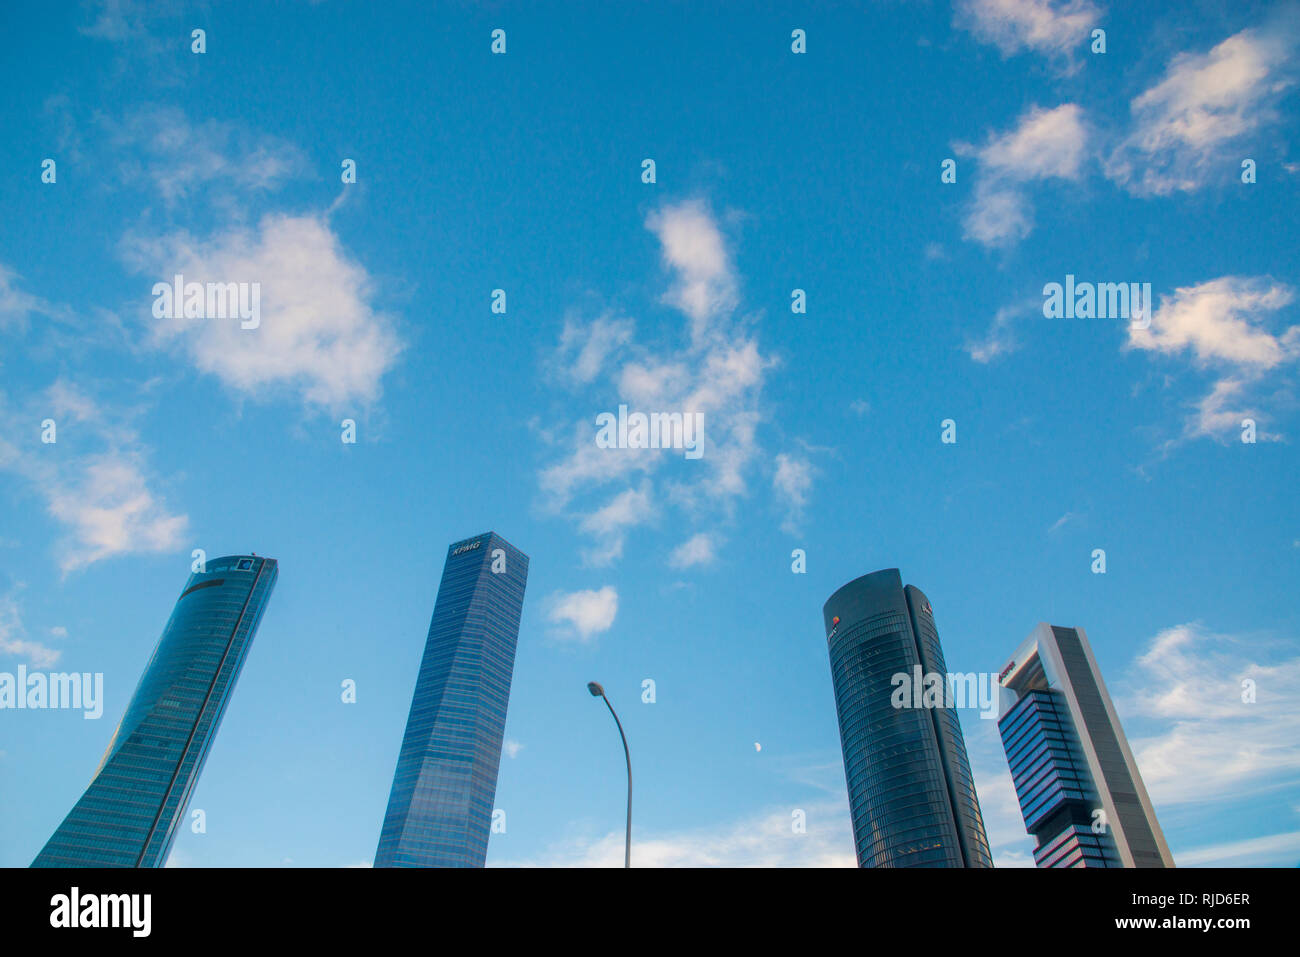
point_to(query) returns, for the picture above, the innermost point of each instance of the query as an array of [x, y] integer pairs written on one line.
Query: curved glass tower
[[440, 807], [911, 793], [129, 813]]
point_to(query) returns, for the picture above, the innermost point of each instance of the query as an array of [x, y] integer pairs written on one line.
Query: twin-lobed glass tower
[[911, 793], [129, 813]]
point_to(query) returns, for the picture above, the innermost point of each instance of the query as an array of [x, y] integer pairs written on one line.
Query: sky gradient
[[775, 171]]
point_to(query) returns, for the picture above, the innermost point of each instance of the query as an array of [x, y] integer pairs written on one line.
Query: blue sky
[[774, 171]]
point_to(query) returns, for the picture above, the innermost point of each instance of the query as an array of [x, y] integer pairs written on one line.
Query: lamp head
[[595, 689]]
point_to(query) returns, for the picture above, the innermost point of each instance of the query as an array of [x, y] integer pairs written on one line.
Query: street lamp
[[598, 692]]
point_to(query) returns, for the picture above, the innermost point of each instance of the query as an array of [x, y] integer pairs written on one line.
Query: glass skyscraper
[[129, 813], [440, 808], [1079, 788], [911, 793]]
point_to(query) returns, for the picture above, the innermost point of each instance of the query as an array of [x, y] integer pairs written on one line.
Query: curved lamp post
[[598, 692]]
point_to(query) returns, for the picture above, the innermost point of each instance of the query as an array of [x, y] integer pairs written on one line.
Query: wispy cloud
[[112, 511], [159, 147], [1213, 745], [608, 525], [1045, 144], [699, 549], [14, 640], [95, 479], [1272, 850], [793, 480], [704, 285], [714, 368], [585, 348], [120, 21], [17, 305], [1056, 29], [1000, 339], [1223, 325], [1185, 127], [1062, 522], [766, 839]]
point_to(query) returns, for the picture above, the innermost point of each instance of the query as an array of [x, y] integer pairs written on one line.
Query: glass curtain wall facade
[[129, 812], [911, 793], [1052, 783], [440, 807], [1079, 789]]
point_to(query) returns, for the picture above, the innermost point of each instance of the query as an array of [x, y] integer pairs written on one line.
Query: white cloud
[[1273, 850], [712, 367], [128, 22], [999, 340], [1221, 323], [584, 614], [319, 331], [762, 840], [793, 481], [998, 216], [1185, 126], [649, 382], [1214, 320], [1053, 29], [512, 748], [14, 640], [112, 511], [1212, 745], [67, 403], [1220, 414], [585, 348], [693, 249], [1017, 857], [1045, 144], [16, 305], [185, 161], [1062, 521], [588, 465], [100, 485], [610, 523], [699, 549]]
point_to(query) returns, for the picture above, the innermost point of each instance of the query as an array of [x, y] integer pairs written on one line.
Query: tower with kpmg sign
[[440, 807]]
